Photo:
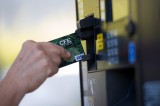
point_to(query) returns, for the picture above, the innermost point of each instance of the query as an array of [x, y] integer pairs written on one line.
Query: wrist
[[15, 84], [11, 91]]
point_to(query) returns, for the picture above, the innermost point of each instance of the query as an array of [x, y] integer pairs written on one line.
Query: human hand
[[35, 62]]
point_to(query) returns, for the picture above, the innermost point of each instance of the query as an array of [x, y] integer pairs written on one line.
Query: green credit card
[[72, 44]]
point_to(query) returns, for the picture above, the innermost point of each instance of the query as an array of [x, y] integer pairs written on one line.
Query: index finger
[[59, 50]]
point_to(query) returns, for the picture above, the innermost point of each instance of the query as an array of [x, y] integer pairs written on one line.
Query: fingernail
[[69, 54]]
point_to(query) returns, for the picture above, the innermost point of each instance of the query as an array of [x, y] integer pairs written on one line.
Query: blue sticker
[[131, 52], [151, 93]]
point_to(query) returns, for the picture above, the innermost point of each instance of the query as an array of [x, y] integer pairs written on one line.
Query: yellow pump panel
[[120, 9], [91, 7]]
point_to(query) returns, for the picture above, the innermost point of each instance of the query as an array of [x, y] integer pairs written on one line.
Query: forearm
[[10, 93]]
